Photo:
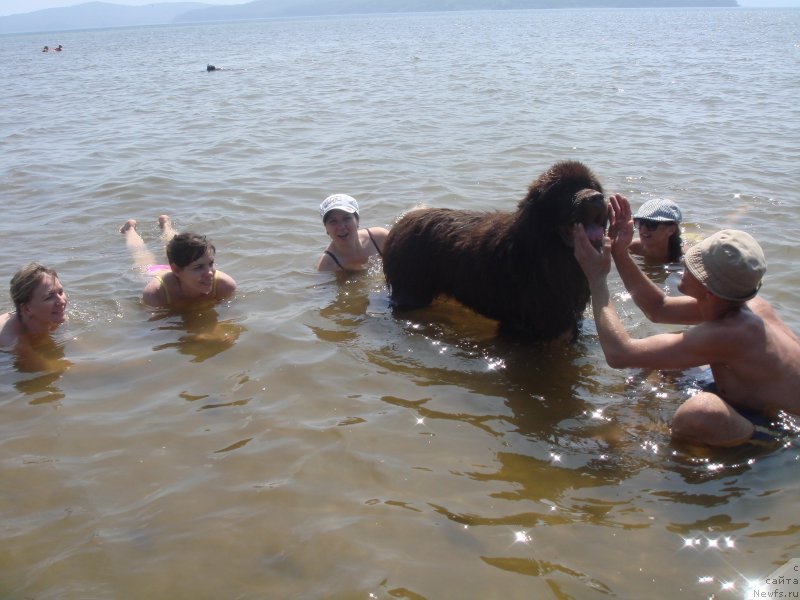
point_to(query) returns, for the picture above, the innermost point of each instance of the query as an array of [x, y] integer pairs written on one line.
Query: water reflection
[[575, 450], [450, 351], [667, 275], [465, 371], [555, 395], [205, 336], [346, 312], [45, 358]]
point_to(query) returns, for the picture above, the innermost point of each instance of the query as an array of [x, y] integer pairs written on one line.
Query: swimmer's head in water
[[186, 248], [211, 68], [24, 283]]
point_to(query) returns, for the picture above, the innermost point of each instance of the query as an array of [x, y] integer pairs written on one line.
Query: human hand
[[620, 228], [595, 264]]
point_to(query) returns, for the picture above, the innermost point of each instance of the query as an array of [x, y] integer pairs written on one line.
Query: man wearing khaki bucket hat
[[753, 355]]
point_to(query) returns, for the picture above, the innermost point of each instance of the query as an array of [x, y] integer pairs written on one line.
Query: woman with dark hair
[[350, 247], [191, 274], [658, 222]]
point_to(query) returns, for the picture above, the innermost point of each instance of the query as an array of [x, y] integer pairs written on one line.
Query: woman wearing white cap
[[350, 247], [658, 222]]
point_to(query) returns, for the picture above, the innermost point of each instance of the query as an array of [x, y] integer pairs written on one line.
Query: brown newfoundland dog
[[515, 267]]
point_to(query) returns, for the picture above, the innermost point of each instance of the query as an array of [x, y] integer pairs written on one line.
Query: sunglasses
[[649, 225]]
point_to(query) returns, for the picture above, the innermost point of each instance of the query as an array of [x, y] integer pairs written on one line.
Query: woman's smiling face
[[197, 278], [655, 236], [47, 308], [340, 224]]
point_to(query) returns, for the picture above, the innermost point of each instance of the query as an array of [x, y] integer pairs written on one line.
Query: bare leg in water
[[167, 230], [142, 257]]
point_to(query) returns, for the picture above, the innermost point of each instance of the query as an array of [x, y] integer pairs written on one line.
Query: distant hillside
[[94, 15], [263, 9]]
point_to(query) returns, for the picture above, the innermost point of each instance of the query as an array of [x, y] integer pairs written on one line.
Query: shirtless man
[[754, 356], [40, 304]]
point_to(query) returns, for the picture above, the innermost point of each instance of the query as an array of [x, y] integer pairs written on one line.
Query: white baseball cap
[[342, 202]]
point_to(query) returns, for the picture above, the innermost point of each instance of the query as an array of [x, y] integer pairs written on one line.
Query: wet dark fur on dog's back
[[513, 267]]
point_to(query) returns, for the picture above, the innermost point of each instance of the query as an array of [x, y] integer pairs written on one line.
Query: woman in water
[[350, 247], [191, 275], [40, 305], [658, 222]]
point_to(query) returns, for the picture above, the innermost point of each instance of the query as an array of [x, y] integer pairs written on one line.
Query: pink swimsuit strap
[[157, 268]]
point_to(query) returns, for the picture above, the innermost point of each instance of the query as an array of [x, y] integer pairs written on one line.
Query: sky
[[10, 7]]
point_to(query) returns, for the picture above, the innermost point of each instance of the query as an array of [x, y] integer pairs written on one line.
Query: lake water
[[301, 441]]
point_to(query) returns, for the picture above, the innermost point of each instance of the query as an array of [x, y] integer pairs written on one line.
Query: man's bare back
[[764, 376]]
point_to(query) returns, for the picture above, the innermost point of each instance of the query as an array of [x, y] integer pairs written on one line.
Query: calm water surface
[[301, 441]]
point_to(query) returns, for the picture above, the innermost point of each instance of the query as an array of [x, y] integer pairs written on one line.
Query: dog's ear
[[564, 178]]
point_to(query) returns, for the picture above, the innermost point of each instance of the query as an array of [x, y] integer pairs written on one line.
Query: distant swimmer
[[58, 48], [45, 49], [210, 68]]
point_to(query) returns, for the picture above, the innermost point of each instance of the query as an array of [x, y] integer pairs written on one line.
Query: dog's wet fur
[[515, 267]]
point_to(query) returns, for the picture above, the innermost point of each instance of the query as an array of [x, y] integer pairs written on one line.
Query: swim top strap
[[369, 233], [336, 260], [165, 288]]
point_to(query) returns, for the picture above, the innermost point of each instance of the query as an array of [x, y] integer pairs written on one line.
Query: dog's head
[[566, 194], [590, 209]]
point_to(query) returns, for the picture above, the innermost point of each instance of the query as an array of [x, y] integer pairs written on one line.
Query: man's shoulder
[[762, 308], [749, 323], [764, 314], [734, 330]]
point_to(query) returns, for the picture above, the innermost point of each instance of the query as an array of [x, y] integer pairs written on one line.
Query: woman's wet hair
[[24, 282], [186, 248], [675, 245]]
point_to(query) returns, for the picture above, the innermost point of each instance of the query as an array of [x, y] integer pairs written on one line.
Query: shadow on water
[[204, 336]]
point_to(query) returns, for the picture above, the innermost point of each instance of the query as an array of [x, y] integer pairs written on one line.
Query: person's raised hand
[[595, 264], [620, 227]]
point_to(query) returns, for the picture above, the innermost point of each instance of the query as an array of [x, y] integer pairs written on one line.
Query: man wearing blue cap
[[753, 355]]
